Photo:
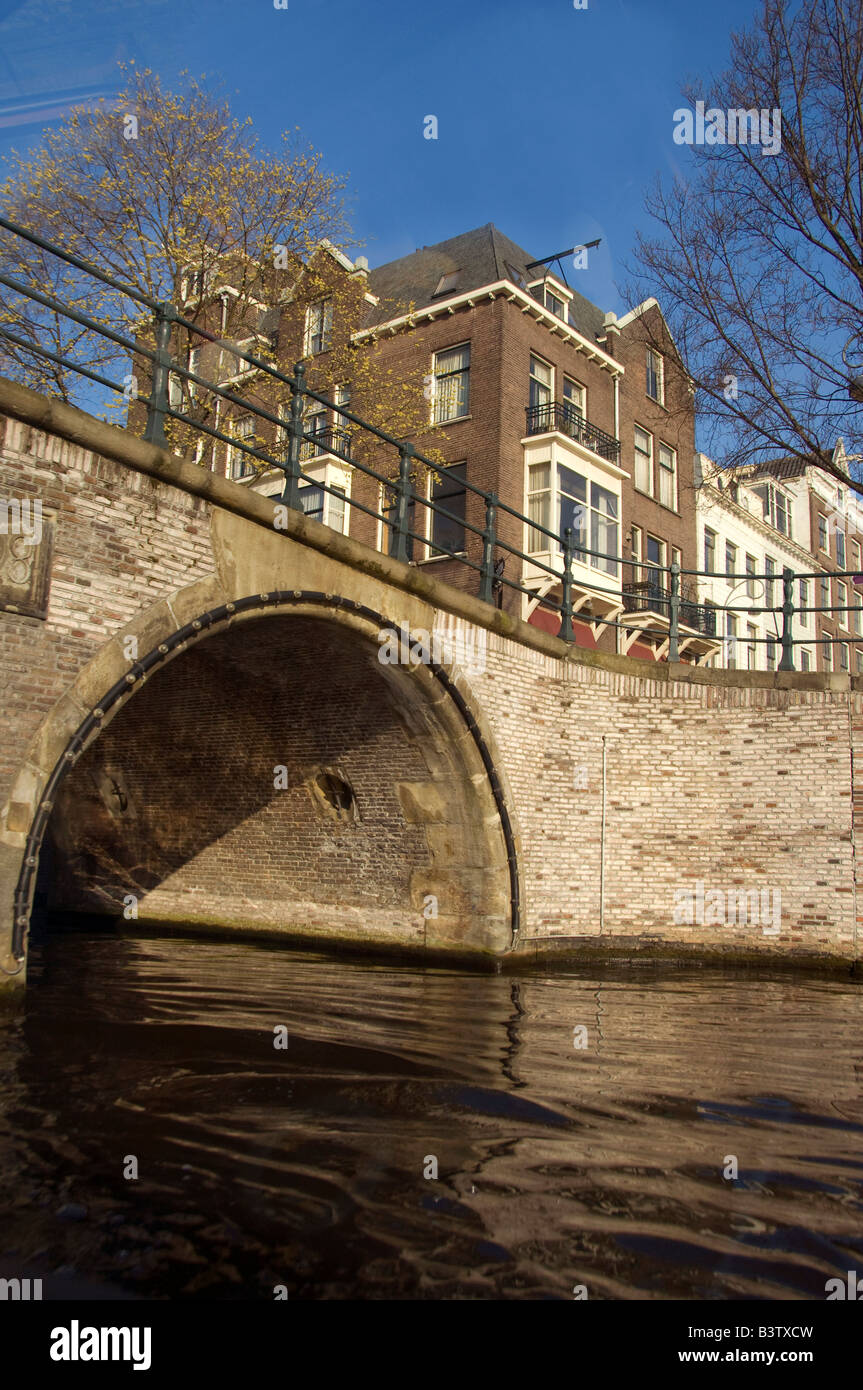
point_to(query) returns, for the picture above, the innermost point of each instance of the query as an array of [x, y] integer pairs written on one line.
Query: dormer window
[[555, 305], [447, 283], [776, 506]]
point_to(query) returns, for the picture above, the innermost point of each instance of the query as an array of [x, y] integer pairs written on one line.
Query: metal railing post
[[486, 574], [400, 533], [674, 605], [293, 468], [787, 661], [566, 630], [154, 430]]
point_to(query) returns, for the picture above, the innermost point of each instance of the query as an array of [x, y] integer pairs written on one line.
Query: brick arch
[[438, 701]]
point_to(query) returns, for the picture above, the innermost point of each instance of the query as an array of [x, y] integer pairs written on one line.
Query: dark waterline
[[558, 1166]]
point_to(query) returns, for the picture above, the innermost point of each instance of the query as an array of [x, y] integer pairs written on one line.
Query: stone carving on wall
[[25, 564]]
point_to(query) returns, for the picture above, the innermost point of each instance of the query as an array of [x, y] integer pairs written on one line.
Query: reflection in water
[[558, 1165]]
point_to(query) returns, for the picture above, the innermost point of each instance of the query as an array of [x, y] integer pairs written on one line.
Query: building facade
[[760, 521]]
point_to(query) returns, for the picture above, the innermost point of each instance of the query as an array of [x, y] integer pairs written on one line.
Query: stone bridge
[[197, 728]]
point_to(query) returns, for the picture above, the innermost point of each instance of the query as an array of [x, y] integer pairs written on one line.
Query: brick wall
[[728, 780], [120, 542]]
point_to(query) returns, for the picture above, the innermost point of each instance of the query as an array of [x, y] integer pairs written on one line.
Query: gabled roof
[[481, 257]]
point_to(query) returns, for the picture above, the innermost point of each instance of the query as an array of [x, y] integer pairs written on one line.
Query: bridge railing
[[673, 608]]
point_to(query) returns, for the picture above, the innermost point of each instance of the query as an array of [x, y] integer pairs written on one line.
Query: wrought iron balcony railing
[[332, 440], [563, 417], [649, 596]]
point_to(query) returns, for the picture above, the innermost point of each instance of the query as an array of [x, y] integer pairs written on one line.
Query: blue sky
[[552, 121]]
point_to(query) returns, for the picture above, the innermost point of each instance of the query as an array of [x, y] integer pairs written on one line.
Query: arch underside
[[263, 770]]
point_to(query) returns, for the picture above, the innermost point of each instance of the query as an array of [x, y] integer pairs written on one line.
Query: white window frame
[[544, 385], [322, 311], [233, 452], [582, 389], [843, 618], [330, 474], [438, 376], [659, 398], [663, 470], [648, 491], [823, 531], [731, 574]]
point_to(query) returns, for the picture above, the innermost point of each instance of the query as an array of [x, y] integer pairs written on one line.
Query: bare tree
[[759, 264]]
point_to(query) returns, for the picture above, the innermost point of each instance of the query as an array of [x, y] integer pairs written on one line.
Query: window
[[239, 462], [827, 656], [573, 398], [324, 506], [825, 594], [603, 528], [555, 305], [857, 617], [840, 549], [855, 556], [572, 511], [805, 660], [654, 376], [804, 601], [449, 493], [859, 662], [769, 570], [637, 550], [730, 560], [452, 383], [751, 565], [822, 534], [843, 656], [655, 557], [709, 551], [541, 389], [751, 649], [539, 506], [315, 426], [842, 604], [667, 477], [319, 327], [777, 507], [447, 283], [731, 640], [192, 284], [643, 461], [194, 365], [770, 648]]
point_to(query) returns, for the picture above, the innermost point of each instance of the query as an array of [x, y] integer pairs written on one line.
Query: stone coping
[[55, 417]]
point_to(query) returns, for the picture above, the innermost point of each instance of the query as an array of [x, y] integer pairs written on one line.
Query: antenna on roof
[[558, 257]]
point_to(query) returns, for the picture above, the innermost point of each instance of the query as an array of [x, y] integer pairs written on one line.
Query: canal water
[[581, 1125]]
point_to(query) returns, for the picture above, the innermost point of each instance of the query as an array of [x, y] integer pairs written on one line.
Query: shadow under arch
[[349, 614]]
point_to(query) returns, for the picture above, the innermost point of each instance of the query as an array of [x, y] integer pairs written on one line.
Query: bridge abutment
[[166, 648]]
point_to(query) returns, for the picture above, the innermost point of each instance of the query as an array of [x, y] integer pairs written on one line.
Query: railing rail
[[567, 419], [295, 443]]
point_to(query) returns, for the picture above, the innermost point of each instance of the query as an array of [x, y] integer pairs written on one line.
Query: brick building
[[523, 389]]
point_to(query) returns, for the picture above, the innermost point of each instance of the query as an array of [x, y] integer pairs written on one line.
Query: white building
[[748, 533]]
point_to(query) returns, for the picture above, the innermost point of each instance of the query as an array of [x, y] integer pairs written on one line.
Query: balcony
[[565, 419], [332, 440], [648, 596]]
